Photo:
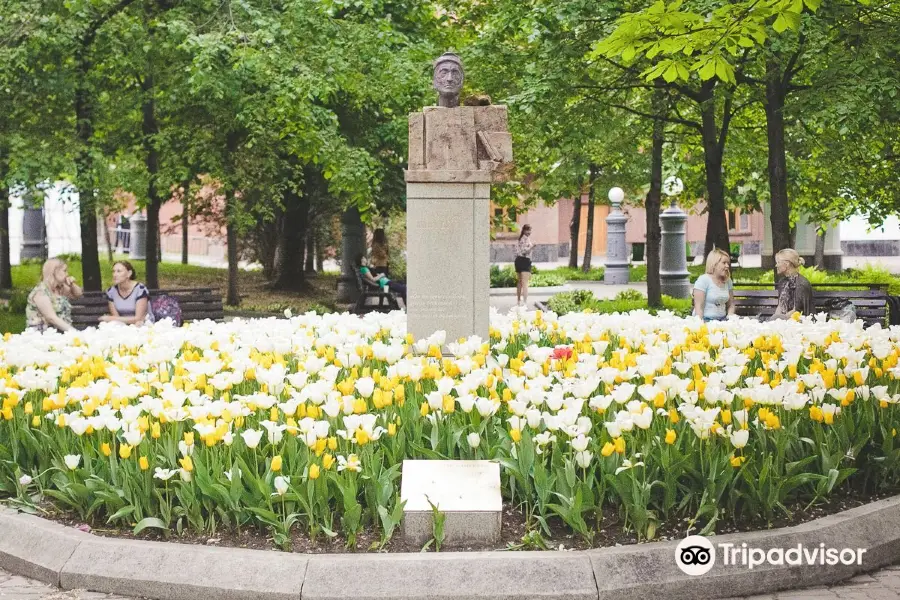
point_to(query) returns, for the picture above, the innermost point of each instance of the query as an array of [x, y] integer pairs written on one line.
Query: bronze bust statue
[[448, 79], [466, 139]]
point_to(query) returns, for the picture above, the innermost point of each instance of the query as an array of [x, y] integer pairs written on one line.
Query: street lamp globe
[[616, 195], [673, 186]]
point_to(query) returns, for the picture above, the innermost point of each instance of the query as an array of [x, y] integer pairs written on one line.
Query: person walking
[[523, 265]]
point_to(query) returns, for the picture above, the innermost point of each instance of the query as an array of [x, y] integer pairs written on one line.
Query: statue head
[[448, 79]]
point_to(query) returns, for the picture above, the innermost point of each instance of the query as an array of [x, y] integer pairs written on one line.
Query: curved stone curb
[[55, 554]]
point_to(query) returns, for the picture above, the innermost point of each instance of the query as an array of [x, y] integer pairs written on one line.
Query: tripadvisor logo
[[695, 555]]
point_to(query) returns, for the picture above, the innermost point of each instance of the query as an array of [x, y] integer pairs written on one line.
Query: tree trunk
[[289, 268], [5, 263], [652, 204], [574, 231], [777, 167], [713, 149], [310, 266], [320, 250], [150, 129], [233, 297], [109, 243], [84, 174], [820, 247], [589, 234], [185, 219]]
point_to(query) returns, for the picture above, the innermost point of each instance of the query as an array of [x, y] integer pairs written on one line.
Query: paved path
[[881, 585], [13, 587]]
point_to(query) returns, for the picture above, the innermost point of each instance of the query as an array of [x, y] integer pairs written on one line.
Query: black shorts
[[523, 265]]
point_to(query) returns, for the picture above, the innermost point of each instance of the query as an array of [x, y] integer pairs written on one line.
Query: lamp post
[[138, 242], [616, 271], [674, 279]]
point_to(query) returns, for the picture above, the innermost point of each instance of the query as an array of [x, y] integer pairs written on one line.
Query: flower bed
[[303, 424]]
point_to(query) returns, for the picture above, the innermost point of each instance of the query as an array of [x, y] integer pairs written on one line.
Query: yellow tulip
[[276, 464], [515, 435], [327, 461], [144, 463], [619, 443], [189, 438], [737, 461], [314, 471], [105, 449], [607, 449], [125, 451], [670, 436], [186, 463]]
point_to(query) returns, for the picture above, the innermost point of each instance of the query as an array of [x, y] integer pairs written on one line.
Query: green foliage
[[625, 301], [11, 322], [503, 277], [629, 295]]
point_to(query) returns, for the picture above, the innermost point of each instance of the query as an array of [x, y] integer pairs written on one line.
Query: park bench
[[386, 300], [196, 304], [871, 304]]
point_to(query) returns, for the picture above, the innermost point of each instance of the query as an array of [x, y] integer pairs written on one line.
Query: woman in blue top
[[713, 291], [129, 300]]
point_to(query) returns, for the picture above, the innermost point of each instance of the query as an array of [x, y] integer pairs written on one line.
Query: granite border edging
[[55, 554]]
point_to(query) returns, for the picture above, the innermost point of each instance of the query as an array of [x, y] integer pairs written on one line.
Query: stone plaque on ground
[[467, 492]]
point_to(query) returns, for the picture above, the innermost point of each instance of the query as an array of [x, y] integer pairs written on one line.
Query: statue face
[[448, 78]]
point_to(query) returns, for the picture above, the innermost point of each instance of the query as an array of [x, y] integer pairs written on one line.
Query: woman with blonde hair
[[794, 291], [49, 305], [714, 290]]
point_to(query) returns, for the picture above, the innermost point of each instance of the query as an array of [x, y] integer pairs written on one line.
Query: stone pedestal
[[467, 492], [448, 252], [34, 234], [138, 244], [674, 278], [616, 267], [353, 244]]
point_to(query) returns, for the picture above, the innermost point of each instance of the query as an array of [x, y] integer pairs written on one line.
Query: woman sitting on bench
[[794, 291], [379, 280], [129, 300]]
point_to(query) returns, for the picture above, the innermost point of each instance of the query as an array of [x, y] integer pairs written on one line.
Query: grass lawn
[[255, 296]]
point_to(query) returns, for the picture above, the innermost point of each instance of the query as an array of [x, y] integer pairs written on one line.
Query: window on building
[[504, 220], [738, 220]]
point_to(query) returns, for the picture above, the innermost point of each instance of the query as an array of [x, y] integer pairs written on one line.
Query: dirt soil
[[514, 533]]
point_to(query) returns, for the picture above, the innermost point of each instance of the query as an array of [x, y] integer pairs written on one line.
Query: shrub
[[546, 279], [626, 301], [503, 277]]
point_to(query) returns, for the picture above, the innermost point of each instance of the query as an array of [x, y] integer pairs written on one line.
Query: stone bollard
[[34, 234], [138, 248], [616, 267], [673, 273]]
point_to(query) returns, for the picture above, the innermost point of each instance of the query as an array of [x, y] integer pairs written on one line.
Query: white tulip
[[251, 438], [72, 461], [740, 437], [583, 459], [580, 443], [281, 484], [25, 480], [474, 440]]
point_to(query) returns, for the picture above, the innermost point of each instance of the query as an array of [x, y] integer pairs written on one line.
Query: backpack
[[166, 307], [841, 309]]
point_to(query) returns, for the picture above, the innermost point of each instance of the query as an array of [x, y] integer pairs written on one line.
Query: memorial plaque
[[467, 492]]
